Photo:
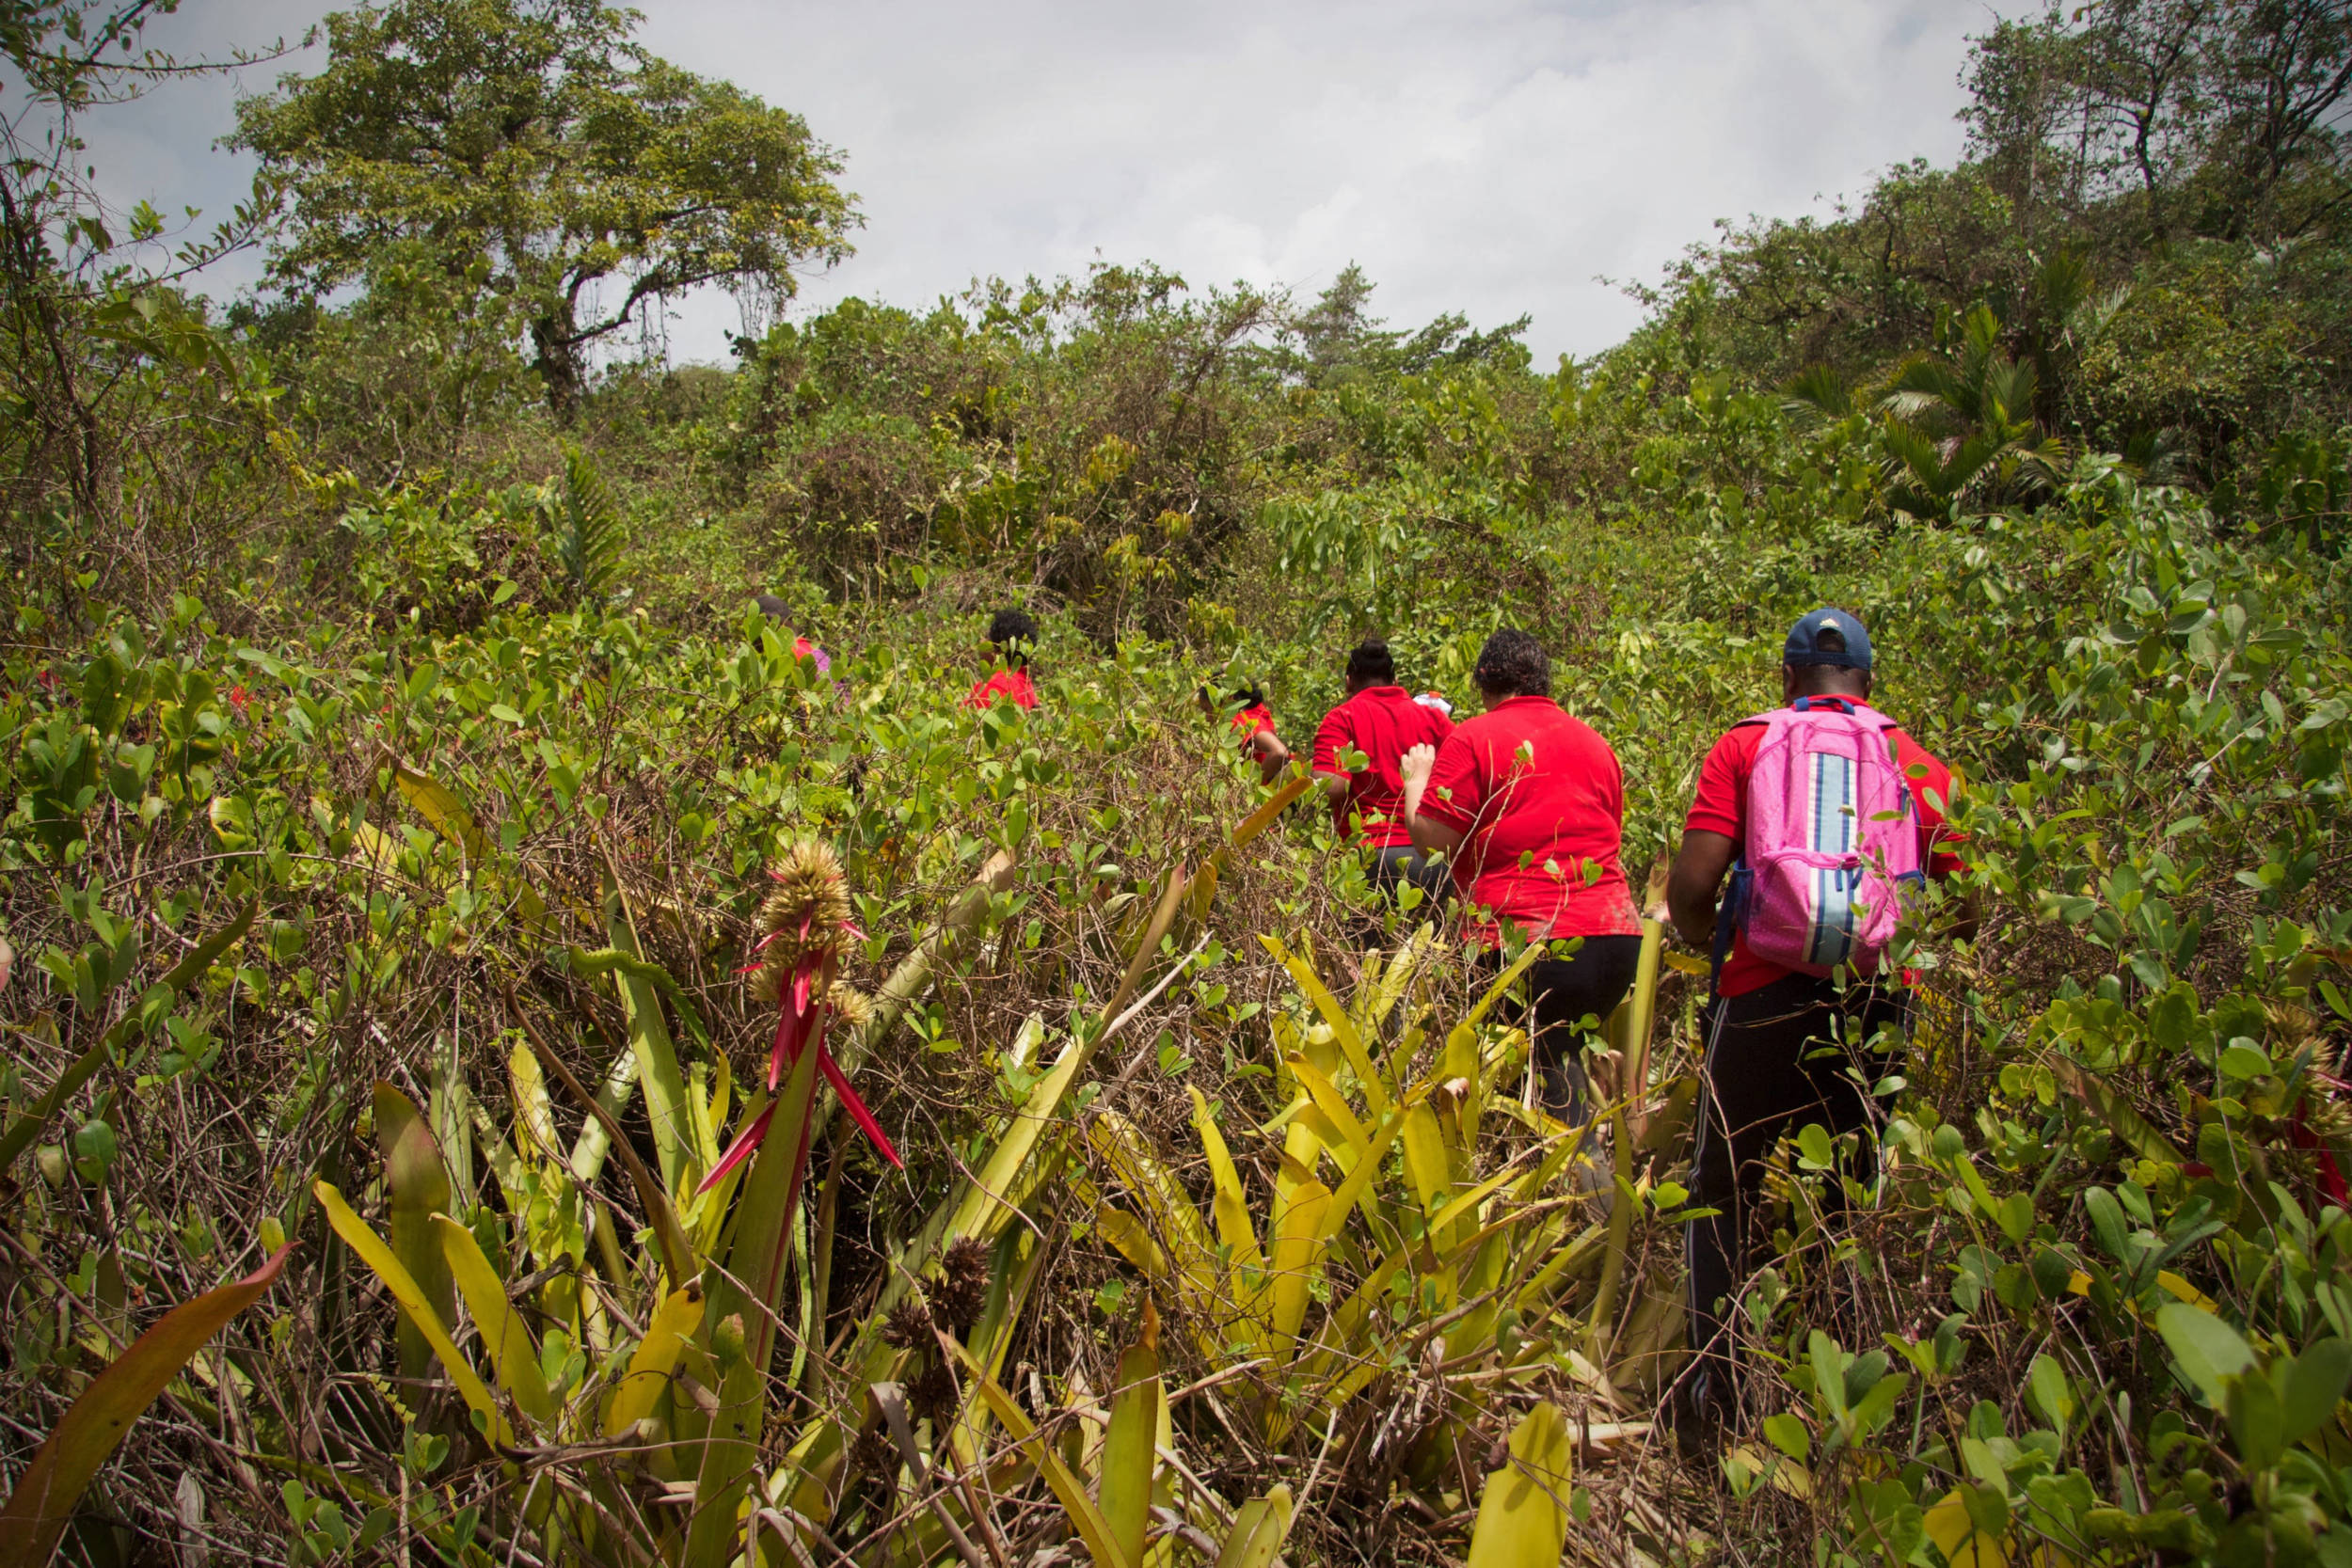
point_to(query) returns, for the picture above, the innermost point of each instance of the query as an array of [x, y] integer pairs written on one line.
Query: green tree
[[90, 296], [1338, 336], [2224, 117], [533, 148]]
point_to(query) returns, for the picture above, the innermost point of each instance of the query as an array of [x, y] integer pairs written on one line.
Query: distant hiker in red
[[1531, 804], [1013, 633], [1252, 726], [1823, 812], [780, 612], [1378, 723]]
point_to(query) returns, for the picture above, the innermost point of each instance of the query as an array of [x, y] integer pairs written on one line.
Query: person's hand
[[1413, 767]]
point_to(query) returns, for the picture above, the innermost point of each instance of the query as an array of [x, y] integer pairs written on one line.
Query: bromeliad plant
[[1409, 1243], [567, 1385], [679, 1404], [806, 928]]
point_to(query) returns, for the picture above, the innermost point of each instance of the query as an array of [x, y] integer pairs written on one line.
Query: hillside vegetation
[[425, 865]]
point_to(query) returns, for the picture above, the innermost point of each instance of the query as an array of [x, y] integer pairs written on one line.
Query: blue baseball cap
[[1804, 641]]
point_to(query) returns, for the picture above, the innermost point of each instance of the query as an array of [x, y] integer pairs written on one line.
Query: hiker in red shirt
[[1013, 633], [780, 612], [1789, 1042], [1380, 723], [1530, 804], [1252, 727]]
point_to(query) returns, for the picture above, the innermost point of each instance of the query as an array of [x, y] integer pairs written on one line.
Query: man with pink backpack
[[1827, 816]]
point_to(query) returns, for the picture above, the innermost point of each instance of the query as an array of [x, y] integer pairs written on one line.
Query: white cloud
[[1495, 157]]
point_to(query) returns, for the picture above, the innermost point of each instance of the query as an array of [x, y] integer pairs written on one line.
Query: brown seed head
[[931, 1395], [872, 1455], [962, 1288], [909, 1325]]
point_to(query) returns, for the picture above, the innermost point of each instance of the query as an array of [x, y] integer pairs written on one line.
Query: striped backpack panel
[[1833, 839]]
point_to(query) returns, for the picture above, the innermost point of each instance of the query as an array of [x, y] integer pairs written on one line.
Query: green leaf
[[2052, 1393], [103, 704], [2172, 1017], [2108, 1224], [1875, 1407], [2257, 1421], [2242, 1060], [1258, 1527], [1813, 1148], [1789, 1435], [2207, 1350], [419, 1187], [2312, 1386]]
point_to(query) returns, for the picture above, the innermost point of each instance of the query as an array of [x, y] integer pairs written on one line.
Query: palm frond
[[2090, 320], [2008, 397], [2063, 281], [1817, 392], [589, 531]]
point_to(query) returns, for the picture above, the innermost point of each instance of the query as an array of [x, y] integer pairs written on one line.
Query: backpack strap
[[1727, 918]]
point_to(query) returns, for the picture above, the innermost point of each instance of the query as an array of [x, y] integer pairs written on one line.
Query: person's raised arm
[[1692, 885], [1429, 836], [1271, 754]]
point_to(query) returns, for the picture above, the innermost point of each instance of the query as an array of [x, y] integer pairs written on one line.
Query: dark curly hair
[[1512, 664], [1015, 632], [1248, 694], [1370, 663]]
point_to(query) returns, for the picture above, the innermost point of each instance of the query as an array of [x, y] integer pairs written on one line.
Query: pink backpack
[[1833, 839]]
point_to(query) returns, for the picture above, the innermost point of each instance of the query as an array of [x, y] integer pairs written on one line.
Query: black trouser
[[1778, 1058], [1560, 993], [1399, 863], [1388, 870]]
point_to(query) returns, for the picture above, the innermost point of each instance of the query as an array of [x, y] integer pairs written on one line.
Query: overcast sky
[[1497, 157]]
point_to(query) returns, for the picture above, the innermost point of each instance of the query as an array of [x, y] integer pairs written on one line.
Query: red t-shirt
[[1383, 723], [1004, 683], [1720, 807], [1539, 798], [1252, 721]]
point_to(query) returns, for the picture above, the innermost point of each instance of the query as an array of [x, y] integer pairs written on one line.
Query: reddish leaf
[[51, 1487]]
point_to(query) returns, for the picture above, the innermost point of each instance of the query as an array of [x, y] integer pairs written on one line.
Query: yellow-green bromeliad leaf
[[1523, 1517]]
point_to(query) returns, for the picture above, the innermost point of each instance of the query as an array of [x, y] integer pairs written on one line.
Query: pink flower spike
[[738, 1152], [785, 1049], [856, 1107]]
